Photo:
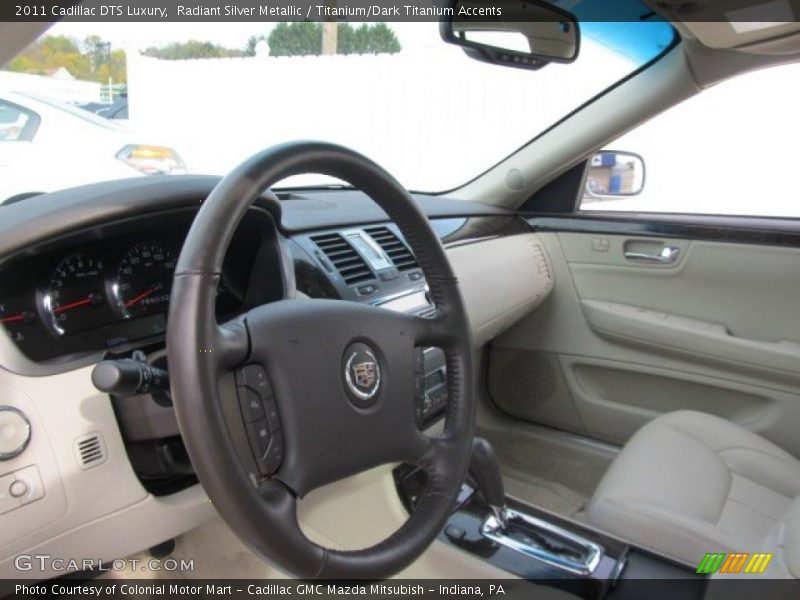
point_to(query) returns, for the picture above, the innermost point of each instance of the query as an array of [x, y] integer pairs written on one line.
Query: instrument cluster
[[88, 289], [96, 294]]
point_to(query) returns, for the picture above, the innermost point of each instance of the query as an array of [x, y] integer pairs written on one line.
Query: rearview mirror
[[526, 34], [612, 174]]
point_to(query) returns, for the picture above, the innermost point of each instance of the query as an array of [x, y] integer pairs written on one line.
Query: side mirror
[[613, 174], [526, 34]]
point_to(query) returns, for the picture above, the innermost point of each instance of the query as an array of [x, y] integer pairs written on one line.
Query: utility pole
[[329, 37], [330, 32], [95, 61], [110, 80]]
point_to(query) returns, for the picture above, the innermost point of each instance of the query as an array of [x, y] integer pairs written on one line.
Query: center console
[[542, 547]]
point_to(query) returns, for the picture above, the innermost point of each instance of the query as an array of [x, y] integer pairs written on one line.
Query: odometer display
[[144, 280]]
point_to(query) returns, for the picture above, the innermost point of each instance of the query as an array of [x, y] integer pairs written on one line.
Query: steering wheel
[[342, 376]]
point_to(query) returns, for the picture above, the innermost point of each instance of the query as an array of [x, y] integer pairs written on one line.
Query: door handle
[[668, 255]]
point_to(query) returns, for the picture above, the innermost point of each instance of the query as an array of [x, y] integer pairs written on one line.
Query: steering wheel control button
[[260, 414], [8, 502], [260, 437], [267, 446], [254, 377], [15, 432], [271, 413], [362, 374], [252, 405], [274, 456], [29, 477]]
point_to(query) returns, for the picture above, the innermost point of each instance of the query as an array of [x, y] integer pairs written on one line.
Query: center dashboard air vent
[[394, 247], [344, 257]]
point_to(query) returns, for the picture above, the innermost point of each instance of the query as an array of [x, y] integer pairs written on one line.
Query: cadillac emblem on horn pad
[[362, 374]]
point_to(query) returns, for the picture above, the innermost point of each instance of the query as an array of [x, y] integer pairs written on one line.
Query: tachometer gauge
[[75, 298], [144, 280]]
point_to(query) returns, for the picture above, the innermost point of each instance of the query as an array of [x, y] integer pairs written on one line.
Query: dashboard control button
[[415, 275], [389, 274], [15, 432], [455, 533], [18, 489], [365, 290], [252, 406], [29, 476], [7, 501]]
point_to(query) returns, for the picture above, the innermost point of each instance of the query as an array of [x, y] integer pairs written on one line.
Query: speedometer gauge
[[144, 280], [74, 299]]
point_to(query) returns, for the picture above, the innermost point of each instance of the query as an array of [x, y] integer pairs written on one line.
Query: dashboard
[[107, 287], [88, 271], [85, 274]]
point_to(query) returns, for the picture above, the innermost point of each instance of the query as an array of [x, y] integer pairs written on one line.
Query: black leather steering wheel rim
[[283, 335]]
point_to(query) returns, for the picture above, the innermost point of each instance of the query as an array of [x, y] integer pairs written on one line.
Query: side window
[[16, 123], [731, 150]]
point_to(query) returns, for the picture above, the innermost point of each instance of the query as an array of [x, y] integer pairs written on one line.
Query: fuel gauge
[[17, 318]]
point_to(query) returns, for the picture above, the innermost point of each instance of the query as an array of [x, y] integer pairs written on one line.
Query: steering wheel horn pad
[[342, 374], [327, 437]]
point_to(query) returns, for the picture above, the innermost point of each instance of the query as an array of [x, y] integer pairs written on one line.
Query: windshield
[[201, 97]]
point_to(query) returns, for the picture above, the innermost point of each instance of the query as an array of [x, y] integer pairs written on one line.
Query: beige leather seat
[[688, 483]]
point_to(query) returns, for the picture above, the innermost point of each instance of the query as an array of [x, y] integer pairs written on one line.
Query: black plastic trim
[[559, 195]]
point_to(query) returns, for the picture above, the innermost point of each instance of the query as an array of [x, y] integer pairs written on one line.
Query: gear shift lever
[[484, 468], [523, 533]]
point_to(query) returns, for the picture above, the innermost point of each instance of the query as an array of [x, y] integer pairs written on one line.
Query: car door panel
[[667, 333], [622, 340]]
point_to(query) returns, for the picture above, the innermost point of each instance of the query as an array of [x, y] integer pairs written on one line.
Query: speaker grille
[[521, 380], [90, 450], [541, 263]]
